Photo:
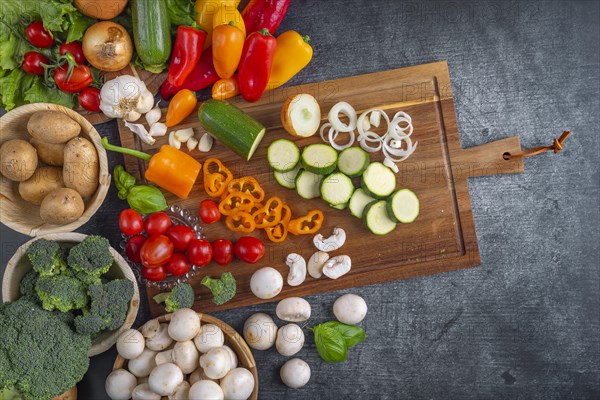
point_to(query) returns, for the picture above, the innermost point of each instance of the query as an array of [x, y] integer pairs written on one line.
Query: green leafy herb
[[352, 334], [181, 12], [330, 344], [144, 199], [123, 181]]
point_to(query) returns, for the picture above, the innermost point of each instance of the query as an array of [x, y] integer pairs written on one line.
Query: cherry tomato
[[81, 77], [32, 63], [75, 49], [222, 251], [154, 274], [200, 252], [131, 222], [89, 99], [156, 251], [249, 249], [178, 265], [157, 223], [181, 236], [133, 248], [38, 36], [209, 211]]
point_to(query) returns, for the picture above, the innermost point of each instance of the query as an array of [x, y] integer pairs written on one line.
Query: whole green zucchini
[[151, 33]]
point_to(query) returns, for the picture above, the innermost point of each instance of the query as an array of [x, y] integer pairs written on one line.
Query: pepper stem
[[306, 38], [264, 32], [131, 152]]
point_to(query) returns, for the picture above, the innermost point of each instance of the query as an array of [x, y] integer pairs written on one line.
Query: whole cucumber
[[151, 33]]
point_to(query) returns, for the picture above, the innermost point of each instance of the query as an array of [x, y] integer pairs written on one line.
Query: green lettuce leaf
[[181, 12]]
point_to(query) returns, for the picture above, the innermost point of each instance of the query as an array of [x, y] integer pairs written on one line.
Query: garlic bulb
[[125, 97]]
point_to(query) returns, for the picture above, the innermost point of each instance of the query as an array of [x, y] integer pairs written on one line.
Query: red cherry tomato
[[38, 36], [131, 222], [154, 274], [133, 248], [157, 223], [89, 99], [75, 49], [222, 251], [156, 251], [200, 252], [32, 63], [81, 77], [178, 265], [209, 211], [181, 236], [249, 249]]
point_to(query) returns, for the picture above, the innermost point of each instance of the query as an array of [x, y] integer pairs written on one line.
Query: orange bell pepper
[[236, 201], [226, 88], [279, 231], [216, 177], [270, 214], [240, 221], [249, 185], [227, 46], [181, 105], [292, 55], [307, 224]]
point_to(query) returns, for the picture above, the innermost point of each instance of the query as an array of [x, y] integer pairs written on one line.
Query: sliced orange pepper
[[279, 231], [216, 177], [236, 201], [240, 221], [307, 224], [270, 214], [249, 185]]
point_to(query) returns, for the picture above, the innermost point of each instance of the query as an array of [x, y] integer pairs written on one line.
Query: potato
[[43, 181], [61, 206], [80, 168], [52, 127], [49, 153], [18, 160]]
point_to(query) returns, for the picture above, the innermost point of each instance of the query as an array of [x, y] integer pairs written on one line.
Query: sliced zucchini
[[378, 180], [339, 206], [319, 158], [287, 179], [337, 188], [353, 161], [283, 155], [358, 202], [376, 218], [403, 206], [308, 184]]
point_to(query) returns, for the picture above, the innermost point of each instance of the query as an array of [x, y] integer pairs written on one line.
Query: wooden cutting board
[[442, 238]]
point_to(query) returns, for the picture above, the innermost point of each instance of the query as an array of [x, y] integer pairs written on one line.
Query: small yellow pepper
[[181, 105], [226, 88], [205, 13], [292, 55], [227, 46]]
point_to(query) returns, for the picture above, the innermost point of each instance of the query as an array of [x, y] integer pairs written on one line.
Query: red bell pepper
[[189, 43], [255, 66], [259, 14], [202, 76]]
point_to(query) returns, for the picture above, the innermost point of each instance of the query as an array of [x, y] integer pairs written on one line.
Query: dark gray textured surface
[[526, 323]]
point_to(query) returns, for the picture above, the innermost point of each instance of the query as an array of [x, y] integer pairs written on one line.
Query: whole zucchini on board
[[233, 127], [151, 33]]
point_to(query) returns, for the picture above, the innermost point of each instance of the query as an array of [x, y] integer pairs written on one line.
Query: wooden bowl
[[232, 339], [24, 217], [19, 265]]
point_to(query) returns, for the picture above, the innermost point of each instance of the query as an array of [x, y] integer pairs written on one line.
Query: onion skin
[[107, 46], [100, 9]]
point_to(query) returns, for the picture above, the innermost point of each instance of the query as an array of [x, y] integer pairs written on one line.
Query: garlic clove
[[141, 132], [158, 129], [132, 116], [153, 116], [145, 102], [183, 135], [206, 142], [192, 143], [173, 142]]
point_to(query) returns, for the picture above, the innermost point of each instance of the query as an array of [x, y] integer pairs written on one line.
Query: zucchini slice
[[378, 180], [283, 155], [376, 218], [358, 202], [339, 206], [308, 184], [353, 161], [403, 206], [287, 179], [337, 188], [319, 159]]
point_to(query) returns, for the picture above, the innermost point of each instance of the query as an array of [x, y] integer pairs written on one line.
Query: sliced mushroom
[[316, 262], [297, 266], [332, 243], [337, 266]]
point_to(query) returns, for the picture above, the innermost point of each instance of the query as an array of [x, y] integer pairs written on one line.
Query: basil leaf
[[330, 344], [146, 199], [124, 181], [352, 334]]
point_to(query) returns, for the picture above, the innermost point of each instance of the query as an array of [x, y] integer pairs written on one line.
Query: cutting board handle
[[488, 159]]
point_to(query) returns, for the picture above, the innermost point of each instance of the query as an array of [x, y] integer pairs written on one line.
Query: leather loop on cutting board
[[556, 146]]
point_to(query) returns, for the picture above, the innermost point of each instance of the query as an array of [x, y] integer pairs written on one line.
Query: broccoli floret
[[182, 296], [61, 292], [90, 259], [109, 304], [223, 289], [27, 285], [40, 356], [46, 257]]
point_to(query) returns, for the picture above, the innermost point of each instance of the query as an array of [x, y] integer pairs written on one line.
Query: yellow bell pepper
[[205, 13], [292, 55]]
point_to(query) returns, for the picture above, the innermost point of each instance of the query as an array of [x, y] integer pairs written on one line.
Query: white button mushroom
[[143, 392], [143, 364], [233, 356], [150, 328], [185, 356], [331, 243], [206, 390], [295, 373], [238, 384], [181, 392], [216, 363], [290, 340], [164, 357], [165, 378], [184, 325], [199, 375], [260, 331], [293, 309], [119, 384], [209, 337], [266, 283], [316, 262], [350, 309], [160, 340], [337, 266], [297, 266], [130, 344]]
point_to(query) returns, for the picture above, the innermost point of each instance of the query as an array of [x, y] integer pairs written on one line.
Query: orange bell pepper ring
[[249, 185], [236, 201], [279, 231], [240, 221], [270, 214], [216, 177], [307, 224]]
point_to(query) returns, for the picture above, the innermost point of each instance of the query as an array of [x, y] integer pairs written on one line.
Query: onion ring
[[339, 147], [342, 108]]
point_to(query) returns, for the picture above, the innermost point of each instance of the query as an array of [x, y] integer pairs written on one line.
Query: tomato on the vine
[[181, 236], [32, 63], [222, 251], [209, 211], [89, 99], [200, 252], [157, 223], [75, 49], [156, 251], [81, 77], [131, 222], [133, 248], [249, 249], [154, 274], [38, 36], [178, 265]]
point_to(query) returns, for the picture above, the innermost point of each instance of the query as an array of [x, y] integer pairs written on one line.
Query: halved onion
[[301, 115]]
